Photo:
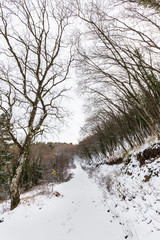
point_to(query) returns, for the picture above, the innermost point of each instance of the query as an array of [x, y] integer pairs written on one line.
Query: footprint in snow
[[70, 230], [75, 210]]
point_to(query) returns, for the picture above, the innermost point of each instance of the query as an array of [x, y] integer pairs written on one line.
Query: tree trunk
[[14, 187]]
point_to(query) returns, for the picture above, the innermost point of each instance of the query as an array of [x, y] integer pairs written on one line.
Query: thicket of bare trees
[[32, 71], [42, 159], [121, 74]]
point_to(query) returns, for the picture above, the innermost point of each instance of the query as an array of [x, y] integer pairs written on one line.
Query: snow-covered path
[[79, 215]]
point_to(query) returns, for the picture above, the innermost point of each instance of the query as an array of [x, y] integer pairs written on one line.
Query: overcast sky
[[70, 132]]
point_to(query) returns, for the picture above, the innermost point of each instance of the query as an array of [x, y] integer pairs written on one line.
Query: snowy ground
[[105, 204], [79, 215]]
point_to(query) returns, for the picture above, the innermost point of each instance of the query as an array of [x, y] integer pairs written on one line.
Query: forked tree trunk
[[14, 187]]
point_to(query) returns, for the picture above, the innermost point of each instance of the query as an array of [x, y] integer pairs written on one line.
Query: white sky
[[70, 132]]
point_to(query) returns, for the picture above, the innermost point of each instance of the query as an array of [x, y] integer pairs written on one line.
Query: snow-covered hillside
[[132, 193]]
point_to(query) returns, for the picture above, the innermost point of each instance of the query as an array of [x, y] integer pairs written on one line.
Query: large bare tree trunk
[[14, 187], [34, 50]]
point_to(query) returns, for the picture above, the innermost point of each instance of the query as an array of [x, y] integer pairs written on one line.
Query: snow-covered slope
[[79, 214], [132, 192]]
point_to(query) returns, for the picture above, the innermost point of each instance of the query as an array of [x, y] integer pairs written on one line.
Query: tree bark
[[14, 187]]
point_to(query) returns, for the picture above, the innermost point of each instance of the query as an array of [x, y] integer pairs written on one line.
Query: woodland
[[113, 46]]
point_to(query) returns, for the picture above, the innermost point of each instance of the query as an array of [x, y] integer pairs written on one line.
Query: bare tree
[[120, 62], [35, 62]]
